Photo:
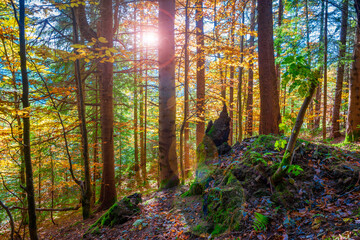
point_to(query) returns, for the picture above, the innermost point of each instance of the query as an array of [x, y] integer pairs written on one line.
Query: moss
[[353, 136], [206, 150], [225, 205], [211, 131], [218, 229]]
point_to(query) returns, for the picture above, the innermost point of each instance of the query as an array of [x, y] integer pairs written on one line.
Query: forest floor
[[322, 202]]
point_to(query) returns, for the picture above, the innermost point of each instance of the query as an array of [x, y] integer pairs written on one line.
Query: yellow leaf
[[77, 46], [103, 40]]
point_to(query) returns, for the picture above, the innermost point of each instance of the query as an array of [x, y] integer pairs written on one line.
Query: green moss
[[353, 137], [218, 229], [211, 131], [225, 206]]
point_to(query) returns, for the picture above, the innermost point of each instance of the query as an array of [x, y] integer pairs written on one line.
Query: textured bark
[[200, 73], [325, 72], [86, 31], [241, 70], [321, 51], [86, 186], [269, 96], [353, 122], [232, 78], [167, 98], [286, 161], [249, 102], [107, 108], [26, 126], [186, 94], [136, 129], [340, 73]]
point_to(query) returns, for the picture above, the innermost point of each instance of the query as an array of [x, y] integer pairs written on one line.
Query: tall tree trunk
[[86, 186], [186, 94], [26, 128], [107, 108], [278, 50], [136, 129], [241, 69], [95, 148], [269, 96], [318, 91], [167, 98], [249, 101], [232, 77], [311, 106], [353, 122], [325, 72], [200, 73], [341, 70]]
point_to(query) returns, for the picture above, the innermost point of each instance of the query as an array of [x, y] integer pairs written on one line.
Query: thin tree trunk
[[286, 161], [136, 129], [249, 102], [167, 98], [318, 91], [325, 72], [186, 94], [241, 69], [96, 143], [200, 73], [340, 72], [26, 128], [86, 187], [232, 78]]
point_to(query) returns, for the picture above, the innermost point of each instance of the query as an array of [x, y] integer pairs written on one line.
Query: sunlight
[[150, 38]]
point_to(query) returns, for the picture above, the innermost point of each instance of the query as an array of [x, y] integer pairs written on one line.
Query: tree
[[353, 121], [200, 72], [325, 71], [340, 72], [107, 107], [26, 126], [250, 96], [269, 95], [105, 66], [167, 98]]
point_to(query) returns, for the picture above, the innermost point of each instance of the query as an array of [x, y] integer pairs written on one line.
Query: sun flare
[[150, 38]]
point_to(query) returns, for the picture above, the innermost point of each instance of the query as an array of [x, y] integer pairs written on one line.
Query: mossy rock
[[223, 205], [119, 213], [206, 151]]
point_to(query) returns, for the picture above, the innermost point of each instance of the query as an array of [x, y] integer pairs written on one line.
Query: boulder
[[119, 213]]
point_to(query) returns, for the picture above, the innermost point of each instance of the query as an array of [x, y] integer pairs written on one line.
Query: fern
[[260, 222]]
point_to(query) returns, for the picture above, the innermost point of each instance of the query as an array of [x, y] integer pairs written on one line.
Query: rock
[[223, 205], [119, 213], [215, 139]]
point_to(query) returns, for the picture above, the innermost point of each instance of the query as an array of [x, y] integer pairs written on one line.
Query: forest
[[186, 119]]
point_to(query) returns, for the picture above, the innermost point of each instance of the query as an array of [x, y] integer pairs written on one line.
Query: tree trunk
[[241, 69], [286, 161], [186, 94], [325, 72], [26, 124], [249, 102], [340, 72], [200, 73], [86, 186], [232, 78], [106, 108], [353, 122], [269, 96], [136, 129], [167, 98]]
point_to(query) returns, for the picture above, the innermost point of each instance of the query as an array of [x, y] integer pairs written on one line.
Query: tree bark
[[341, 70], [269, 95], [186, 94], [26, 126], [249, 101], [107, 108], [167, 98], [353, 122], [286, 161], [325, 72], [200, 73]]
